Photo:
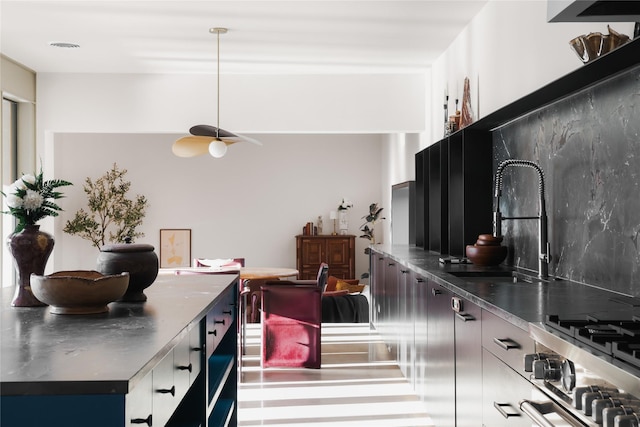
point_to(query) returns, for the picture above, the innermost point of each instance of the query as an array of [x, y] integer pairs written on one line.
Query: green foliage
[[112, 217], [30, 199], [367, 228]]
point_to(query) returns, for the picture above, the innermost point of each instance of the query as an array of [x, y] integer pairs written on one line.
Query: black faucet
[[543, 241]]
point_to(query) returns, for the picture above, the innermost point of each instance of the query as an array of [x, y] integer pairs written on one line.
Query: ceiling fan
[[207, 138]]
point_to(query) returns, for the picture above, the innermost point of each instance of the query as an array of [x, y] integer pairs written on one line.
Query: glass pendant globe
[[217, 148]]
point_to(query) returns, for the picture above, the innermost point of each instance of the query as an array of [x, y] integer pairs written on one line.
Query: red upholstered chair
[[291, 322]]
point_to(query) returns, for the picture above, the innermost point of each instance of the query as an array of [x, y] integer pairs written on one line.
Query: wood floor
[[356, 386]]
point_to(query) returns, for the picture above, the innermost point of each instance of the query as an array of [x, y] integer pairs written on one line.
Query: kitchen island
[[168, 361]]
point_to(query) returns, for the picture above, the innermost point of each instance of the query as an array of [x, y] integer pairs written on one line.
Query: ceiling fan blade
[[248, 139], [189, 146], [208, 130], [225, 135]]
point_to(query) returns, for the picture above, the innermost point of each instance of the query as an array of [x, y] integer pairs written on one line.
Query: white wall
[[507, 51], [251, 203], [321, 139]]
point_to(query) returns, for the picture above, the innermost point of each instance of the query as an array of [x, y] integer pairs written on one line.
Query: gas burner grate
[[629, 352], [617, 338]]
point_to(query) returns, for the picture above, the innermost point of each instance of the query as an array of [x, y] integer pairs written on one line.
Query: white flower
[[14, 201], [18, 185], [346, 204], [28, 178], [32, 200]]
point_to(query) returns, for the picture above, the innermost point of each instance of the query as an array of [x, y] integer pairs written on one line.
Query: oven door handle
[[536, 411]]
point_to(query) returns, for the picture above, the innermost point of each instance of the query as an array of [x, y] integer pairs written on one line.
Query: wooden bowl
[[80, 291], [486, 255]]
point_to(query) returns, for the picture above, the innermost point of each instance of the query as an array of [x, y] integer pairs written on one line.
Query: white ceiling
[[295, 36]]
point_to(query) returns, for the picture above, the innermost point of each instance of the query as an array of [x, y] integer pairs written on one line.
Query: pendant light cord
[[218, 109], [218, 31]]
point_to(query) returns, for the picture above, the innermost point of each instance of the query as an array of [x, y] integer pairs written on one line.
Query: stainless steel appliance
[[586, 373]]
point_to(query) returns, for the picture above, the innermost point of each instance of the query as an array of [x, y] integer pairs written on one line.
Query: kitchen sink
[[496, 277], [481, 273]]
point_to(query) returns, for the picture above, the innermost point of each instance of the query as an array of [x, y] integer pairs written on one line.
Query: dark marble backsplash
[[588, 146]]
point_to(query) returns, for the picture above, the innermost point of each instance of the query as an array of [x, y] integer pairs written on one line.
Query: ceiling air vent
[[64, 45]]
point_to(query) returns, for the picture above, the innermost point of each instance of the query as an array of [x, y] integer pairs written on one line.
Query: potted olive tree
[[111, 216]]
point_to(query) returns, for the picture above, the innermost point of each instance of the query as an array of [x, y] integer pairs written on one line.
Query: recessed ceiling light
[[64, 45]]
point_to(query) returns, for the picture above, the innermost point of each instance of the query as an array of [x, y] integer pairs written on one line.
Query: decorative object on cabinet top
[[80, 291], [466, 117], [593, 45]]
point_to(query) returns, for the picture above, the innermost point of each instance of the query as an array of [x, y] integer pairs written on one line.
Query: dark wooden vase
[[30, 249]]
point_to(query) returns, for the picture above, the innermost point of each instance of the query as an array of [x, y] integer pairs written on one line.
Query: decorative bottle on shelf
[[343, 221]]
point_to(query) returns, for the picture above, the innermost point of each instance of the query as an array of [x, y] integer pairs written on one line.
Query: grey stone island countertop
[[519, 303], [44, 353]]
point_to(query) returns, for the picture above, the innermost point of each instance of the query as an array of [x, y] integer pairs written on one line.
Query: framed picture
[[175, 247]]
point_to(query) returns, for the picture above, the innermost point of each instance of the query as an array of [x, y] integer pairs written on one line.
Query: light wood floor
[[356, 386]]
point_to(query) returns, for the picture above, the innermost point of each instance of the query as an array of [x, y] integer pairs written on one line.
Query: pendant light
[[206, 138]]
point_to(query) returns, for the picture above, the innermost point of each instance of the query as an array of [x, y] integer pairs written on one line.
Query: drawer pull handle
[[186, 368], [537, 410], [465, 317], [171, 390], [214, 332], [227, 312], [499, 407], [219, 322], [420, 280], [196, 349], [506, 343], [435, 291], [146, 421]]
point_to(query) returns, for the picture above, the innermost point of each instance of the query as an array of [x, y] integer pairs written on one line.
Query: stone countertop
[[522, 302], [44, 353]]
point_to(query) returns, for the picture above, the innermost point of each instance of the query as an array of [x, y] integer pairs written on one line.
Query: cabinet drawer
[[219, 319], [502, 390], [139, 404], [165, 400], [508, 342], [186, 360]]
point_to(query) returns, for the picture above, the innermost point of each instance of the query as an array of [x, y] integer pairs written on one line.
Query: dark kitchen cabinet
[[391, 307], [504, 381], [468, 343], [406, 323], [384, 295], [419, 283], [376, 287], [440, 374], [470, 177], [502, 389]]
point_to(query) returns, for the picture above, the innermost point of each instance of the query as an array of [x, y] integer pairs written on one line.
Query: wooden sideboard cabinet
[[337, 251]]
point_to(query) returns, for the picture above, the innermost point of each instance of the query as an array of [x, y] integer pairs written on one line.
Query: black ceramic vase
[[30, 249], [138, 259]]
